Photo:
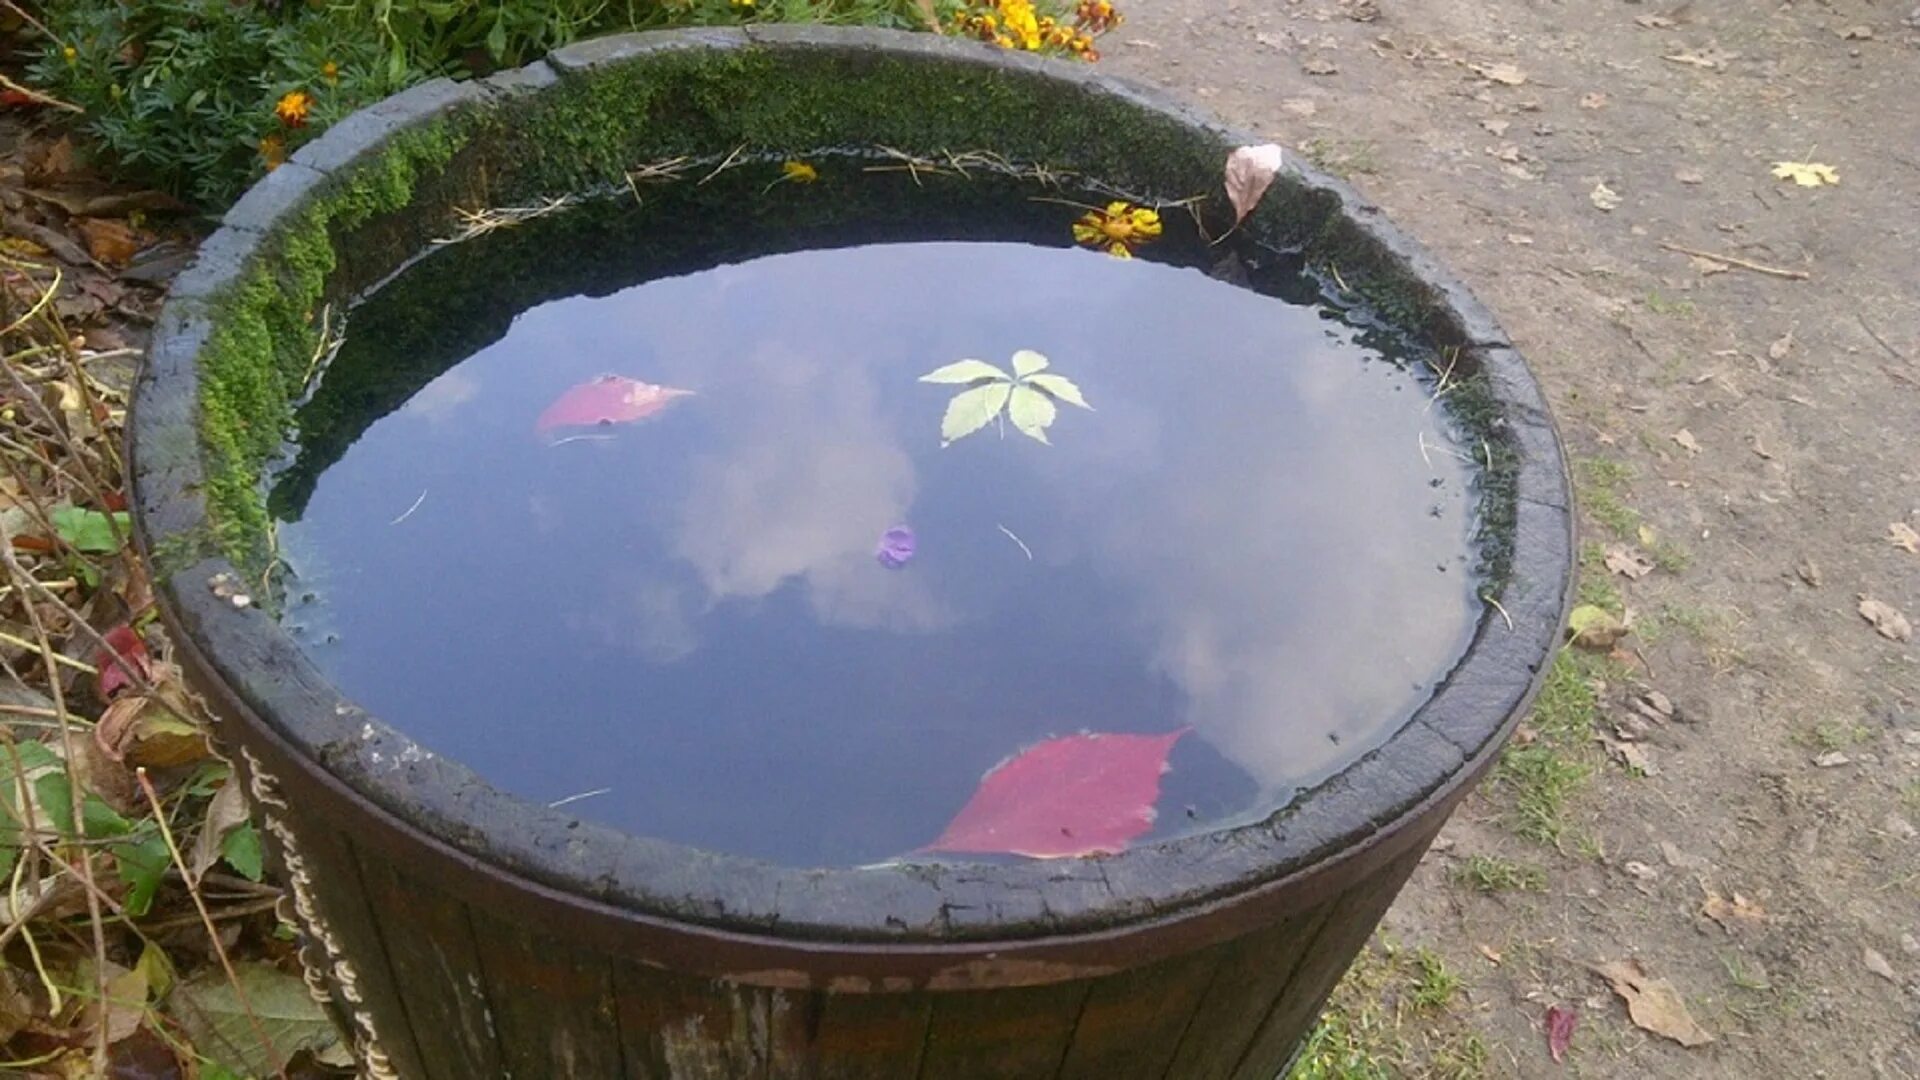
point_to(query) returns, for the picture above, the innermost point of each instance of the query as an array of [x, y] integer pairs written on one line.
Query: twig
[[409, 511], [1864, 325], [1501, 610], [1758, 268], [1015, 539], [44, 99], [725, 164], [27, 17], [200, 905], [75, 795], [555, 804]]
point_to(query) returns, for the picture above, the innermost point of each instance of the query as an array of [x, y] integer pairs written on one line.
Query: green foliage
[[139, 851], [91, 530], [1493, 874], [181, 94]]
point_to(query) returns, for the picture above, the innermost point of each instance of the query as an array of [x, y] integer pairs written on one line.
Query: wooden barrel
[[464, 933]]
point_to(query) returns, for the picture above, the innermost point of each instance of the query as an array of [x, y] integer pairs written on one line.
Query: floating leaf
[[1026, 362], [1653, 1004], [1074, 795], [1560, 1025], [609, 399], [965, 371], [1250, 172], [1059, 386], [1031, 411], [211, 1011], [971, 410], [896, 547], [1806, 173], [131, 651]]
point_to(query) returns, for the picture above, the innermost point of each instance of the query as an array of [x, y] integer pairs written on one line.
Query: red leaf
[[1560, 1024], [609, 399], [1076, 795], [131, 650]]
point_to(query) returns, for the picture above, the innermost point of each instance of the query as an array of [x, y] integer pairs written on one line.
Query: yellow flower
[[799, 172], [1021, 22], [70, 53], [743, 5], [330, 71], [1117, 229], [293, 107], [273, 151]]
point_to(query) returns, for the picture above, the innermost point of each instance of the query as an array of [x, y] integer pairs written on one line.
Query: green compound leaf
[[971, 410], [1031, 412], [1026, 362], [1060, 387], [965, 371]]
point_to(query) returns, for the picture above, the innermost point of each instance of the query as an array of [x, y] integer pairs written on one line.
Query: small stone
[[1897, 826], [1832, 759]]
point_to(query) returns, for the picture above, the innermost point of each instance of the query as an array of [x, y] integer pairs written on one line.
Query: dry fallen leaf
[[114, 243], [1604, 197], [1519, 239], [1877, 964], [1901, 535], [1806, 173], [1854, 33], [1560, 1025], [1495, 127], [1809, 572], [1504, 74], [1653, 1004], [1653, 22], [1781, 347], [1886, 618], [1626, 561], [1595, 627], [1250, 172], [1711, 59], [1732, 914], [1595, 100], [1690, 176], [1686, 440], [1707, 267], [1320, 65]]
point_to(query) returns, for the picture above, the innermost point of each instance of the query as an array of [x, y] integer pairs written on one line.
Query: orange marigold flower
[[273, 151], [1117, 229], [293, 107]]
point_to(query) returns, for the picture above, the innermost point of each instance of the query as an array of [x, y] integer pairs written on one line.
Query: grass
[[1541, 776], [1343, 157], [1832, 735], [1599, 483], [1391, 1019], [1492, 874], [1660, 305]]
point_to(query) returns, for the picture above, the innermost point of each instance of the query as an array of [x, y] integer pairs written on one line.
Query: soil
[[1767, 425]]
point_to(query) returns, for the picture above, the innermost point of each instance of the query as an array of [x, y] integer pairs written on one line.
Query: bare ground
[[1765, 431]]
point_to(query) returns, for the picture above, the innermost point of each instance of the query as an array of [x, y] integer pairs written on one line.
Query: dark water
[[1259, 530]]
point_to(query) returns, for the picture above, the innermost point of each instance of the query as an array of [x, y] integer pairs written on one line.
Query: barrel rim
[[826, 922]]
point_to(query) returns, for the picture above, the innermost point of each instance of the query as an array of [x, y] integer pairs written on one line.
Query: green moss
[[264, 335]]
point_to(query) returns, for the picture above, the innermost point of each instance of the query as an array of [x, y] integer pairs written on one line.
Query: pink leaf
[[1075, 795], [1560, 1024], [609, 399], [132, 653], [1250, 171]]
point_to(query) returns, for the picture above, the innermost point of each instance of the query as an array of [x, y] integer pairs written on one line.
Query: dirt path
[[1765, 431]]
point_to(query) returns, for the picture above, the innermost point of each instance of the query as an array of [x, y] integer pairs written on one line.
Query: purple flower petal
[[895, 548]]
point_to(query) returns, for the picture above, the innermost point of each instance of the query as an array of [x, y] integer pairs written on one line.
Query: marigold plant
[[1025, 26]]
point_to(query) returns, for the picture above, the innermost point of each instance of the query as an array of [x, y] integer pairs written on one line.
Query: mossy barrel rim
[[352, 206]]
